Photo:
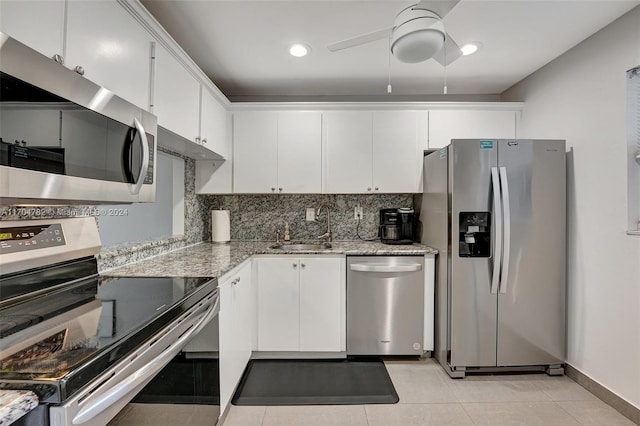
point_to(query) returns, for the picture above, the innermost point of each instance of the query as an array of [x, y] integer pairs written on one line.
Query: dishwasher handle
[[385, 267], [148, 370]]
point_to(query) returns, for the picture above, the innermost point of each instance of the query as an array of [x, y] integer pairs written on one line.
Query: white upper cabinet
[[277, 152], [299, 152], [111, 47], [176, 96], [470, 124], [255, 152], [213, 125], [348, 152], [38, 24], [399, 138], [374, 152]]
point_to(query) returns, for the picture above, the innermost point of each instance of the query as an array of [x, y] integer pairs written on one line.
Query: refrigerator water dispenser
[[475, 234]]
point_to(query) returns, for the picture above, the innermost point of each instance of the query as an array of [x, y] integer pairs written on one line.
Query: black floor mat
[[184, 381], [315, 382]]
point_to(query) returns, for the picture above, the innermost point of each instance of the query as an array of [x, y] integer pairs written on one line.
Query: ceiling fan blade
[[450, 50], [439, 7], [361, 39]]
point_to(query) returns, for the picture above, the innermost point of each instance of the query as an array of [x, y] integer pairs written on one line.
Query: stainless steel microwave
[[66, 140]]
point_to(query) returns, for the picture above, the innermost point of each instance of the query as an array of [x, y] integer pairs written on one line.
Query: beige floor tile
[[245, 416], [594, 413], [564, 389], [157, 415], [316, 415], [497, 389], [420, 384], [203, 415], [417, 415], [518, 413]]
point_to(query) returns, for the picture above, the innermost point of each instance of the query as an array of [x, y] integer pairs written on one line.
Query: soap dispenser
[[287, 235]]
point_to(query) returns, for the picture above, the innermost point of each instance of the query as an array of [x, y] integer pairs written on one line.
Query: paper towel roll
[[220, 226]]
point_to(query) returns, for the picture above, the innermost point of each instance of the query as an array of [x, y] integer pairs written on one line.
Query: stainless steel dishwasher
[[385, 305]]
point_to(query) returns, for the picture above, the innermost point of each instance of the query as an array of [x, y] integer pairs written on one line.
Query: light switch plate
[[311, 215]]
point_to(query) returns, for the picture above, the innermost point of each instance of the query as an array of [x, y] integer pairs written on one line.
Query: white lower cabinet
[[301, 304], [236, 330]]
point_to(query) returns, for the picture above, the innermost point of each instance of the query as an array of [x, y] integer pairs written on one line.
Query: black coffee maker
[[397, 226]]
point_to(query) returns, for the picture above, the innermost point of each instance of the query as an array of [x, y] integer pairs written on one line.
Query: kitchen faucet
[[327, 235]]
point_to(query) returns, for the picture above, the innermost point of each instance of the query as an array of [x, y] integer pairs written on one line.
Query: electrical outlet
[[357, 212], [311, 215]]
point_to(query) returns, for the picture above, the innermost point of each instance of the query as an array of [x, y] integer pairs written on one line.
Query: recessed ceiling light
[[470, 48], [299, 50]]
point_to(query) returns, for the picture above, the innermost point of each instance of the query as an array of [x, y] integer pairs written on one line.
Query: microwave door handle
[[504, 279], [497, 224], [148, 370], [135, 189]]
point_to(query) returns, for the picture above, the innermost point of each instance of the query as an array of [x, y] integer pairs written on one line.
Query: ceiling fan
[[417, 34]]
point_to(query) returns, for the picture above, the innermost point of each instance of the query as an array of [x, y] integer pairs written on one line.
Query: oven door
[[105, 396]]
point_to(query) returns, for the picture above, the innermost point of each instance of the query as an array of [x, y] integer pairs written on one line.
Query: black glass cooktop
[[89, 324]]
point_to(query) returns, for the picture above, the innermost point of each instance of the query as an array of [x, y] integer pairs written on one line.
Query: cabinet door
[[244, 318], [255, 147], [111, 46], [213, 124], [397, 153], [176, 96], [229, 343], [348, 152], [38, 24], [300, 152], [278, 305], [322, 307], [447, 125]]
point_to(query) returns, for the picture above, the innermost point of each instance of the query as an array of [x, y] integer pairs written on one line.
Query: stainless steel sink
[[301, 247]]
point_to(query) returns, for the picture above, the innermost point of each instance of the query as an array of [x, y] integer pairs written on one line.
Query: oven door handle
[[146, 372]]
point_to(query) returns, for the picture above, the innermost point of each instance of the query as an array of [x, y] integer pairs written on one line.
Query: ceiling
[[243, 45]]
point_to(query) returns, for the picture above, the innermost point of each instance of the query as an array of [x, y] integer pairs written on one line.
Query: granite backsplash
[[257, 217]]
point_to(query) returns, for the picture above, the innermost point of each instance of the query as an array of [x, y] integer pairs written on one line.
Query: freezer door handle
[[383, 267], [497, 215], [504, 279]]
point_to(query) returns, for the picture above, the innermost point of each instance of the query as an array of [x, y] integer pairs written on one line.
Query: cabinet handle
[[303, 265], [376, 188], [79, 70], [369, 189], [238, 279], [273, 189], [204, 140], [197, 139], [280, 189], [295, 265], [58, 58]]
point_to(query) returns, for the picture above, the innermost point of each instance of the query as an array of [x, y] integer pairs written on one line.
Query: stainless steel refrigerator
[[496, 211]]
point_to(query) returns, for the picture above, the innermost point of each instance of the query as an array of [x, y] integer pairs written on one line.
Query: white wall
[[580, 97]]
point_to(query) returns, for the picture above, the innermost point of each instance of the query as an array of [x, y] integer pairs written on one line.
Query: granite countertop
[[214, 260], [15, 404]]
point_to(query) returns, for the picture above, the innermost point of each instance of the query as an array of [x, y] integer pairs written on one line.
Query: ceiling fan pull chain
[[389, 80], [445, 66]]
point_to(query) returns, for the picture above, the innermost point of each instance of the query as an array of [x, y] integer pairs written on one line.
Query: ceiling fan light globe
[[418, 46]]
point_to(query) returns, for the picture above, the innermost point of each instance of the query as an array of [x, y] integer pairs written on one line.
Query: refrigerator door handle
[[497, 215], [507, 230]]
